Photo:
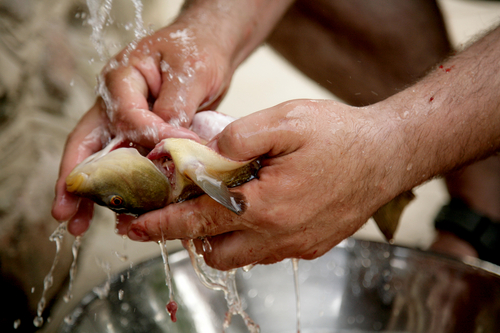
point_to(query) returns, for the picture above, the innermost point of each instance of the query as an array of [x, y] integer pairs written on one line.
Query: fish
[[127, 182], [176, 170], [122, 180]]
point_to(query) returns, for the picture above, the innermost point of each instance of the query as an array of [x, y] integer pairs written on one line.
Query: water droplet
[[409, 167], [120, 294], [207, 247], [269, 301], [128, 26], [247, 268], [124, 321], [164, 66], [125, 307], [38, 321], [339, 271], [68, 320], [252, 293], [122, 257], [17, 323]]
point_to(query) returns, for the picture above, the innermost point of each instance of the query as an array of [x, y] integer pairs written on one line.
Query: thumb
[[273, 132]]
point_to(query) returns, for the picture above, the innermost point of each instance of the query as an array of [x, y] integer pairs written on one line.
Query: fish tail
[[387, 217]]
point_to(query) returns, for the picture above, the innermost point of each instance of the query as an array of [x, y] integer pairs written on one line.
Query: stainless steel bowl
[[358, 286]]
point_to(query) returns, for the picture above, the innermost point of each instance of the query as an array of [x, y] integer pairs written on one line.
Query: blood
[[172, 310], [431, 99], [447, 70]]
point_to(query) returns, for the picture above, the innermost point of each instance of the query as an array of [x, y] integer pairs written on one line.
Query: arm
[[329, 166], [183, 68], [452, 117]]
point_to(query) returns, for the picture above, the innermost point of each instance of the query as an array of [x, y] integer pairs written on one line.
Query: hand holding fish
[[328, 167], [306, 198], [152, 89], [165, 72]]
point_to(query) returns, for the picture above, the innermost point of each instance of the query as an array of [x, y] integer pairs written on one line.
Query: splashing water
[[75, 249], [57, 237], [98, 17], [103, 292], [225, 281], [171, 305], [207, 247], [295, 265]]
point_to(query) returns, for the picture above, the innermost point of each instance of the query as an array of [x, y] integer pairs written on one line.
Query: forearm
[[452, 117], [237, 27]]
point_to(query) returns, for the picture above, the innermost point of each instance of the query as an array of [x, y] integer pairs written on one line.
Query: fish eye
[[116, 201]]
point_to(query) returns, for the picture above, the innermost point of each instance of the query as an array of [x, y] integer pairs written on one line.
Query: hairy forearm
[[237, 27], [452, 117]]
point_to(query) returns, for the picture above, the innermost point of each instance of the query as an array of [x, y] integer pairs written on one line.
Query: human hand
[[323, 175], [148, 93]]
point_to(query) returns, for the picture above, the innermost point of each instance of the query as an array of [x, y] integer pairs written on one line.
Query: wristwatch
[[478, 230]]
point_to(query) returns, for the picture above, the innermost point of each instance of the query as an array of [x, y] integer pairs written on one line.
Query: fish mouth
[[75, 181]]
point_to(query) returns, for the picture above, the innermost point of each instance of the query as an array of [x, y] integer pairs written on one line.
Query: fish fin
[[387, 217], [216, 188]]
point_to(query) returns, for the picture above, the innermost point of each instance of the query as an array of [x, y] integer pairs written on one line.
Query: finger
[[192, 219], [248, 247], [126, 93], [147, 129], [80, 221], [86, 139], [122, 223], [274, 131], [181, 96]]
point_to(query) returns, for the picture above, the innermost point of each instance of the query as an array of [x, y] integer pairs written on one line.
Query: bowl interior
[[358, 286]]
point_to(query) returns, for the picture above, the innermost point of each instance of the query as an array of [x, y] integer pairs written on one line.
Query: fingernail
[[138, 235]]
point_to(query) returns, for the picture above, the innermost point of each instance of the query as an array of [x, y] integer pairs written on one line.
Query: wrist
[[235, 28]]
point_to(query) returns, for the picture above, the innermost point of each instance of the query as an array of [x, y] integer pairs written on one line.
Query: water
[[57, 237], [75, 249], [103, 292], [99, 16], [225, 281], [295, 265], [172, 305]]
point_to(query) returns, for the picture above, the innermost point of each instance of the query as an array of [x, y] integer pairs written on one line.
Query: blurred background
[[47, 79]]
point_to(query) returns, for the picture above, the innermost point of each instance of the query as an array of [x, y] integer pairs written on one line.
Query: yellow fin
[[387, 217]]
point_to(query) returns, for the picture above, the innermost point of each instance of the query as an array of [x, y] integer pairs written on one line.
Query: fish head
[[122, 180]]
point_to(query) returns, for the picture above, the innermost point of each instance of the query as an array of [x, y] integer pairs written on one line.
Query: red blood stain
[[447, 70], [172, 310], [431, 99]]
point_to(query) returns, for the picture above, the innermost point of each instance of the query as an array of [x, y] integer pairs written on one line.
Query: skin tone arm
[[329, 166], [363, 51], [183, 68]]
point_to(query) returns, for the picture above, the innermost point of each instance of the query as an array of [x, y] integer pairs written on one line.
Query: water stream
[[224, 281], [57, 237], [295, 265]]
